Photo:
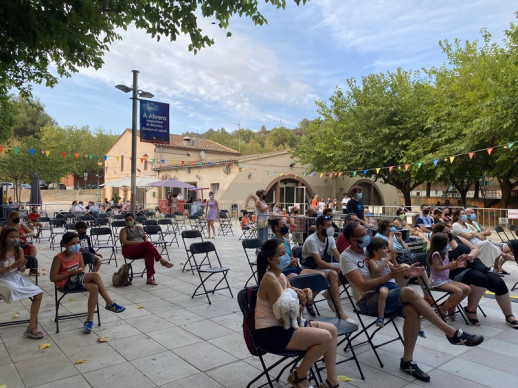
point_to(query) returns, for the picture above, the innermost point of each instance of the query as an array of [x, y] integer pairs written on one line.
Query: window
[[214, 187]]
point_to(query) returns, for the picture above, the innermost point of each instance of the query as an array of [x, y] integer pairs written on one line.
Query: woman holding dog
[[317, 339]]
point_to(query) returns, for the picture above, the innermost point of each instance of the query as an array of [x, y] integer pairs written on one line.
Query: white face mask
[[330, 231]]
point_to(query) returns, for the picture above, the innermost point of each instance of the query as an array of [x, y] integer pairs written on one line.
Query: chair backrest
[[118, 216], [85, 218], [165, 221], [58, 222], [297, 253], [43, 219], [202, 247], [102, 221], [118, 224], [149, 222], [194, 217], [150, 214], [70, 226], [251, 243], [191, 234], [178, 213], [152, 229], [169, 215], [140, 219], [498, 230], [314, 281], [102, 231], [247, 299]]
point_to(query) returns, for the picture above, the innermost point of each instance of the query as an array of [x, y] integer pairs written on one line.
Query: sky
[[270, 75]]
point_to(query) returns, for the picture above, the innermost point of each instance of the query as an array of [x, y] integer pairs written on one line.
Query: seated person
[[329, 212], [319, 252], [90, 257], [404, 301], [68, 273], [311, 215], [134, 244], [32, 219], [369, 219], [23, 232], [424, 221], [402, 224], [92, 208], [341, 242], [388, 232], [245, 221], [317, 339], [14, 286]]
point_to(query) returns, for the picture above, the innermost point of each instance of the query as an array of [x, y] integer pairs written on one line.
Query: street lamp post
[[135, 98]]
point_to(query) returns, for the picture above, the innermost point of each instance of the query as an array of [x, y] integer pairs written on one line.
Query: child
[[13, 286], [380, 263], [68, 272], [440, 266], [90, 257]]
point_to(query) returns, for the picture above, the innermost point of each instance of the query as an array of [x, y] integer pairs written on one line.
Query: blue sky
[[270, 75]]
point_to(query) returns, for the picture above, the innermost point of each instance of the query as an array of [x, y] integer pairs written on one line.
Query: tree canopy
[[68, 34]]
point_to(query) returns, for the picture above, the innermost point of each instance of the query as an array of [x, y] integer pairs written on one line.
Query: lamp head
[[141, 93], [124, 88]]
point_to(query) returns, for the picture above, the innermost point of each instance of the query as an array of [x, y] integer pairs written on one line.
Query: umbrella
[[172, 183], [35, 197], [141, 181]]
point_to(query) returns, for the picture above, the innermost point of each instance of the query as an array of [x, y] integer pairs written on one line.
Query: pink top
[[67, 265], [264, 317], [441, 275]]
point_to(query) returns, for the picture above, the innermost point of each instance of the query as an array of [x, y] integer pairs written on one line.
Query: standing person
[[68, 272], [440, 266], [317, 340], [262, 211], [211, 214], [355, 204], [14, 286], [345, 199], [134, 243]]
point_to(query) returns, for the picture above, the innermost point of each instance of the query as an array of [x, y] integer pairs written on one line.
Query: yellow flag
[[452, 158]]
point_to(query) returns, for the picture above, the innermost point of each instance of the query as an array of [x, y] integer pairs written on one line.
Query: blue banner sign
[[154, 122]]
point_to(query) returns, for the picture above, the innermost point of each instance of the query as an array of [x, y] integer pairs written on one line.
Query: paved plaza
[[167, 339]]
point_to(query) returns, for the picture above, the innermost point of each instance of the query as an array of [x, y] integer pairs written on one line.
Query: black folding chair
[[170, 230], [225, 224], [57, 300], [45, 221], [154, 232], [116, 226], [150, 222], [318, 283], [57, 228], [197, 223], [512, 230], [255, 244], [188, 235], [206, 249], [102, 238], [247, 298]]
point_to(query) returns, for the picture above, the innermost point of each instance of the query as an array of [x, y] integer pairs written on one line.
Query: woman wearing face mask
[[355, 204], [490, 255], [212, 213], [262, 211], [135, 244], [317, 339], [23, 232], [14, 286], [387, 231], [68, 272]]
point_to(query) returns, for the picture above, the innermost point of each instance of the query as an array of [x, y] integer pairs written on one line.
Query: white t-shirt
[[458, 228], [344, 201], [314, 245], [350, 261]]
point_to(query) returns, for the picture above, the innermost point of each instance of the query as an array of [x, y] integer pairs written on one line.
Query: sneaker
[[422, 334], [310, 309], [89, 325], [380, 322], [412, 369], [115, 308], [461, 338]]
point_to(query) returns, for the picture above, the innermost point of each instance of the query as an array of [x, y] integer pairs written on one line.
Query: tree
[[30, 117], [71, 34], [8, 115]]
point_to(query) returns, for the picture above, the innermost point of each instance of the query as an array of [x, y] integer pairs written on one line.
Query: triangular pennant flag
[[435, 161], [489, 150], [31, 151], [2, 148], [105, 157], [77, 156], [406, 167], [172, 161], [354, 173], [211, 163], [510, 145], [267, 172], [90, 156], [200, 163], [312, 174], [47, 152], [331, 174], [452, 158], [16, 150], [321, 174], [296, 175], [419, 164], [63, 154], [182, 162], [163, 161], [471, 155], [365, 172], [117, 157], [378, 170], [141, 160], [390, 168], [340, 174], [281, 174], [305, 174], [153, 161], [191, 162]]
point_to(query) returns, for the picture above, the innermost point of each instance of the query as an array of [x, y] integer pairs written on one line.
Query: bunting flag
[[452, 158], [510, 145], [312, 174], [77, 156], [90, 156], [2, 148], [163, 161], [296, 175], [489, 150], [305, 174], [105, 157], [16, 150], [31, 151], [118, 158], [182, 163], [63, 154], [435, 161], [191, 162], [365, 172], [141, 160], [354, 173], [378, 170], [321, 174], [407, 167], [331, 175], [419, 164], [471, 155], [47, 153], [340, 174], [390, 168], [153, 161]]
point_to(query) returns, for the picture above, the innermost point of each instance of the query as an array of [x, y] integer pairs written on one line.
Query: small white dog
[[287, 307]]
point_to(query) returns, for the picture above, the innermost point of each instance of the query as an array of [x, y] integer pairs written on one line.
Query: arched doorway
[[288, 191], [371, 193]]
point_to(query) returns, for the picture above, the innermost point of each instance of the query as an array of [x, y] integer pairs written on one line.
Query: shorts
[[89, 258], [273, 339], [369, 303], [439, 282], [26, 248], [296, 271], [75, 282], [326, 270], [389, 285]]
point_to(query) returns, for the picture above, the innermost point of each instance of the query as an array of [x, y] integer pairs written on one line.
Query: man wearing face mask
[[319, 252], [405, 301], [424, 221], [355, 204]]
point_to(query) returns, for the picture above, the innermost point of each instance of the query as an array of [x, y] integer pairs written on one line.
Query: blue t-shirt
[[354, 206], [427, 221]]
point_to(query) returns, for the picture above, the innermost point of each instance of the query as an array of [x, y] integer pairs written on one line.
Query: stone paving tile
[[179, 341]]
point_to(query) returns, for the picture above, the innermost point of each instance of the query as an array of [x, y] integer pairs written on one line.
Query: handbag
[[406, 256], [262, 221]]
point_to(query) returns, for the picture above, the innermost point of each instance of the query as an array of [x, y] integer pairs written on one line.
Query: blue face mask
[[473, 217], [284, 261], [464, 218], [446, 248], [75, 248], [359, 195], [393, 229], [365, 241]]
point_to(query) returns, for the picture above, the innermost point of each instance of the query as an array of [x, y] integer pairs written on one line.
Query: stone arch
[[250, 202], [309, 191]]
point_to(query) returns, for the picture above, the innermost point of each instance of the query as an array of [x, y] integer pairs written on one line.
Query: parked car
[[44, 185], [8, 185], [25, 186], [59, 186]]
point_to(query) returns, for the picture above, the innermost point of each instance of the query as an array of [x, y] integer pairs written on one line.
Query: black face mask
[[264, 196], [426, 212], [16, 220], [285, 230]]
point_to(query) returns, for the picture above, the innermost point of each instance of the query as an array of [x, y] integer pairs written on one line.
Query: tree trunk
[[505, 187], [428, 189], [477, 189], [406, 196]]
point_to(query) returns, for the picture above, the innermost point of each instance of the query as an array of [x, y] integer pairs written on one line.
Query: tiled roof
[[176, 141]]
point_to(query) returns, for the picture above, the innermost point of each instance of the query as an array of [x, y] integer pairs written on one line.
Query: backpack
[[249, 321], [123, 277]]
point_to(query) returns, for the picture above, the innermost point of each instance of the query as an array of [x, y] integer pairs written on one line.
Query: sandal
[[166, 264], [32, 332], [513, 323], [294, 381], [327, 384], [472, 321], [151, 281]]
